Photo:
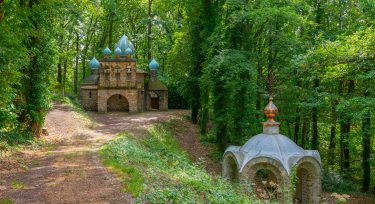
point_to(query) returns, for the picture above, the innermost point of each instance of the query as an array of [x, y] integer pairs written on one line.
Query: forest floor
[[69, 169]]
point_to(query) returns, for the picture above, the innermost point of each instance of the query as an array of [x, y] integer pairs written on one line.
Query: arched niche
[[154, 100], [118, 103], [230, 167], [268, 174], [308, 186]]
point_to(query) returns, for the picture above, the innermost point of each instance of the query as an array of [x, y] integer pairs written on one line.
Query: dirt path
[[70, 170]]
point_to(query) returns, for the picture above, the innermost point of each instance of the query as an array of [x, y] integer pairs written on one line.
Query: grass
[[5, 201], [157, 170], [17, 184]]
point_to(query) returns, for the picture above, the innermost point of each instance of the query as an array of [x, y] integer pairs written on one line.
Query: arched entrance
[[307, 187], [117, 102], [154, 100], [267, 177], [230, 170]]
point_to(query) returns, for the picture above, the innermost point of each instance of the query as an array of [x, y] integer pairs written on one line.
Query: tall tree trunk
[[315, 134], [296, 127], [59, 71], [149, 31], [1, 10], [59, 66], [110, 30], [259, 94], [366, 152], [89, 35], [204, 113], [75, 83], [345, 136], [305, 129], [32, 71], [332, 139], [65, 67]]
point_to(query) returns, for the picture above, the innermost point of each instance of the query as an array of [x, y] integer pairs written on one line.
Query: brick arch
[[118, 102], [230, 167], [281, 176], [308, 188], [130, 95]]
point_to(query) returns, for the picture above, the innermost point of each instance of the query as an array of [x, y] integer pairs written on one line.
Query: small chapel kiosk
[[116, 84], [271, 156]]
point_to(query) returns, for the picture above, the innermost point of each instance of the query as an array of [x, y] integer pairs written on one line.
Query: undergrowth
[[157, 170]]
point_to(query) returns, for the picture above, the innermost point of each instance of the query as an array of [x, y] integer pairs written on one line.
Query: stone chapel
[[116, 83], [269, 160]]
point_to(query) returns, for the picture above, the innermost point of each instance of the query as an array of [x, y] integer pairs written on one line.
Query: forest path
[[70, 170]]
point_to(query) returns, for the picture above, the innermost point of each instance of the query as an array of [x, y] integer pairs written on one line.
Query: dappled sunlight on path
[[70, 170]]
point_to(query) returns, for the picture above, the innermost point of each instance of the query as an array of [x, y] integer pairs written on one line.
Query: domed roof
[[271, 144], [154, 64], [107, 51], [118, 51], [123, 43], [128, 51], [131, 46], [94, 63]]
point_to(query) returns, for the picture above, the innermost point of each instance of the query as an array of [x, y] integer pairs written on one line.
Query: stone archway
[[269, 175], [308, 185], [118, 102], [230, 167]]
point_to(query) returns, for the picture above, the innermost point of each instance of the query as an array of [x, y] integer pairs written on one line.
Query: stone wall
[[116, 74], [89, 101], [162, 97], [130, 94]]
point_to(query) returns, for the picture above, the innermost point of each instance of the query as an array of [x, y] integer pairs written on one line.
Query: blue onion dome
[[94, 63], [154, 64], [107, 51], [118, 51], [131, 46], [128, 51], [124, 43]]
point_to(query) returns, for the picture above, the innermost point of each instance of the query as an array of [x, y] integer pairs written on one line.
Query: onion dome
[[154, 65], [131, 46], [118, 51], [123, 43], [128, 51], [107, 51], [94, 63]]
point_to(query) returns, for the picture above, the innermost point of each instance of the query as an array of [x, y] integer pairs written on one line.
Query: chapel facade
[[116, 83]]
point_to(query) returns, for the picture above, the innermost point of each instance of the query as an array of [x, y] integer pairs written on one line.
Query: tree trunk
[[2, 10], [296, 127], [332, 139], [366, 152], [345, 135], [59, 71], [110, 30], [305, 128], [315, 134], [75, 83], [89, 35], [149, 31], [65, 66]]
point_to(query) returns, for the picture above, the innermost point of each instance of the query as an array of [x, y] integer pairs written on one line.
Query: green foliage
[[6, 201], [17, 184], [334, 182], [163, 172], [228, 78]]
